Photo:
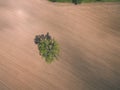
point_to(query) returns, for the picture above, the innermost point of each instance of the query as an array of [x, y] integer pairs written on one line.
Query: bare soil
[[89, 37]]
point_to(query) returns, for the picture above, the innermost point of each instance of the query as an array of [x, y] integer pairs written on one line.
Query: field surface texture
[[89, 38]]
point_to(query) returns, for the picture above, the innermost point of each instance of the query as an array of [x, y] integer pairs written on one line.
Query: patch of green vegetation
[[111, 0], [48, 47]]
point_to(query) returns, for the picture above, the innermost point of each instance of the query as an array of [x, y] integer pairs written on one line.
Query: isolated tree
[[48, 47]]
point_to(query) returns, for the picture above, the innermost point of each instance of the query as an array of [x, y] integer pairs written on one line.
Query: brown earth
[[89, 36]]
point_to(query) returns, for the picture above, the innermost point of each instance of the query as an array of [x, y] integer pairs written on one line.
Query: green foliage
[[49, 49]]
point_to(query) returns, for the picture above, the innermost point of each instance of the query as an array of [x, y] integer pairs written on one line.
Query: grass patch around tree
[[48, 47]]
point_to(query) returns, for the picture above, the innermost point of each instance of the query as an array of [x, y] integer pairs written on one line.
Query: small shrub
[[48, 47]]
